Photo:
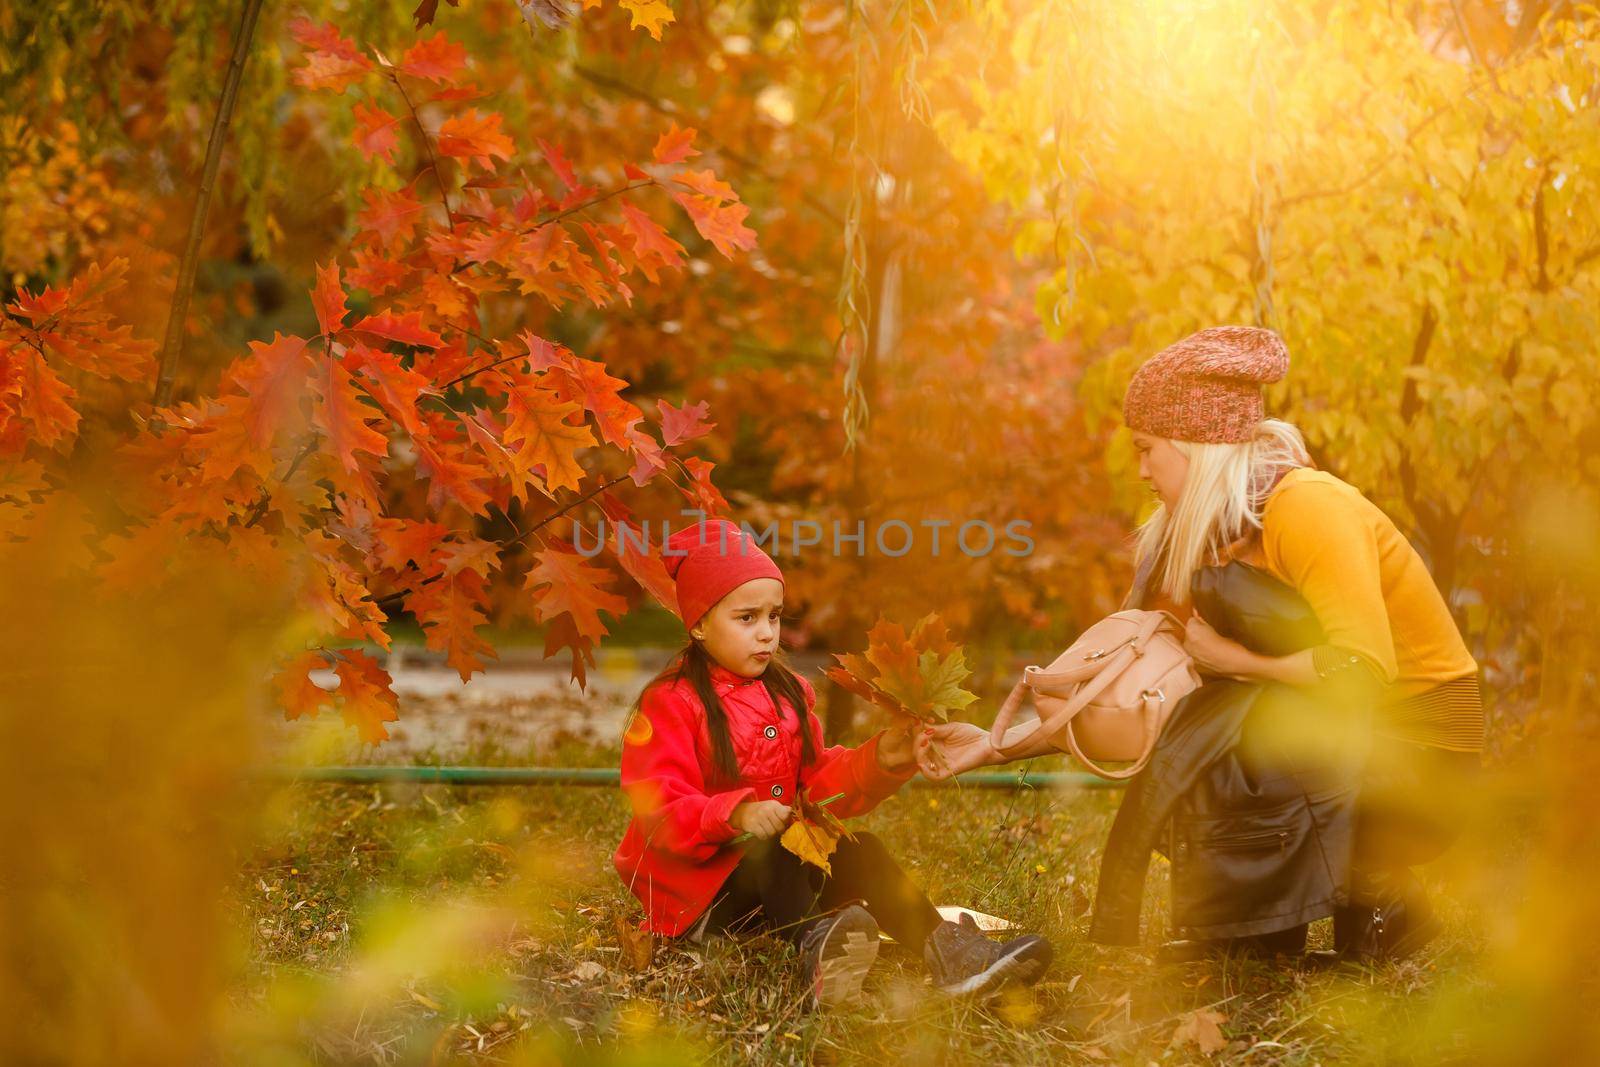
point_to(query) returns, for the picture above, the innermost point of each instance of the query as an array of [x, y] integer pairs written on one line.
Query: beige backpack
[[1107, 697]]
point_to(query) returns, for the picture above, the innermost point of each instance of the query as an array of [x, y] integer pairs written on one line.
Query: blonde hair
[[1221, 501]]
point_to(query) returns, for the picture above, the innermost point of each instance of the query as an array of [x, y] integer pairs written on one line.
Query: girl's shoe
[[837, 951], [966, 962]]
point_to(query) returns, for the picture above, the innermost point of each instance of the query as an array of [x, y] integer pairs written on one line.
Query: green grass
[[434, 924]]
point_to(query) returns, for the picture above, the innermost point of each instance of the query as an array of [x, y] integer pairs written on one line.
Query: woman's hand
[[896, 746], [761, 819], [1213, 653], [947, 749]]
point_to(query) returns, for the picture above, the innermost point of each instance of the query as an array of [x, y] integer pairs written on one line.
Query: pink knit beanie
[[1207, 387], [709, 560]]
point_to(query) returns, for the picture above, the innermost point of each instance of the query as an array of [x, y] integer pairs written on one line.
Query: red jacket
[[675, 854]]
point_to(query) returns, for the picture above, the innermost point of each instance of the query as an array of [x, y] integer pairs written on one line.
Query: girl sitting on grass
[[720, 747]]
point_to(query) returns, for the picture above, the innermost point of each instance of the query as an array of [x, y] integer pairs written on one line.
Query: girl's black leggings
[[773, 889]]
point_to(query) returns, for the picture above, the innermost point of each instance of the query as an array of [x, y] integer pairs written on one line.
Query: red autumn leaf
[[542, 435], [406, 329], [366, 695], [706, 183], [586, 381], [396, 388], [476, 136], [722, 225], [377, 132], [436, 58], [701, 492], [274, 378], [427, 10], [472, 554], [390, 216], [450, 610], [683, 424], [332, 61], [634, 174], [561, 633], [46, 402], [375, 272], [675, 146], [632, 548], [297, 694], [562, 581], [403, 541], [648, 458], [327, 297], [451, 474], [73, 324], [559, 163], [342, 417], [651, 244]]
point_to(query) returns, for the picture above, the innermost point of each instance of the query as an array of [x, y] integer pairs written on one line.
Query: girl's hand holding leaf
[[761, 819]]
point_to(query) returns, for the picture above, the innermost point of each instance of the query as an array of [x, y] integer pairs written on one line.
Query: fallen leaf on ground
[[1203, 1029], [588, 971], [638, 944]]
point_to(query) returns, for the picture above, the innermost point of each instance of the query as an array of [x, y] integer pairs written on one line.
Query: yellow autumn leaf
[[812, 843], [650, 14]]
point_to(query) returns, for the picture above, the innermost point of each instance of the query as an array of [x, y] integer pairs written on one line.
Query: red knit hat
[[709, 560], [1207, 387]]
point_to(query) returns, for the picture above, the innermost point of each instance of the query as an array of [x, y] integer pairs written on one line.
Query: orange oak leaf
[[450, 609], [375, 272], [474, 135], [722, 225], [296, 693], [683, 424], [561, 633], [395, 387], [403, 541], [327, 297], [273, 377], [377, 132], [701, 492], [540, 432], [332, 61], [452, 473], [675, 146], [560, 164], [706, 183], [391, 216], [436, 58], [652, 247], [406, 329], [648, 458], [562, 582], [366, 695], [341, 416], [46, 402], [586, 382]]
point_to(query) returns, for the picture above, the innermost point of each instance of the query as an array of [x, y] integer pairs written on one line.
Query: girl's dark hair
[[783, 686]]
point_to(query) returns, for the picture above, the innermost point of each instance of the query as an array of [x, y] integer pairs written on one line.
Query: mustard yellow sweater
[[1375, 598]]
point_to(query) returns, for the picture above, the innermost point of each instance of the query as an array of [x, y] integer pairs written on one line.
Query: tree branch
[[172, 344]]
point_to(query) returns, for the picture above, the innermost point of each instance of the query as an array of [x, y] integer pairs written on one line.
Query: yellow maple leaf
[[651, 14], [812, 843]]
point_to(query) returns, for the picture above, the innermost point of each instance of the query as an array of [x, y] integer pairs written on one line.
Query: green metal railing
[[609, 776]]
